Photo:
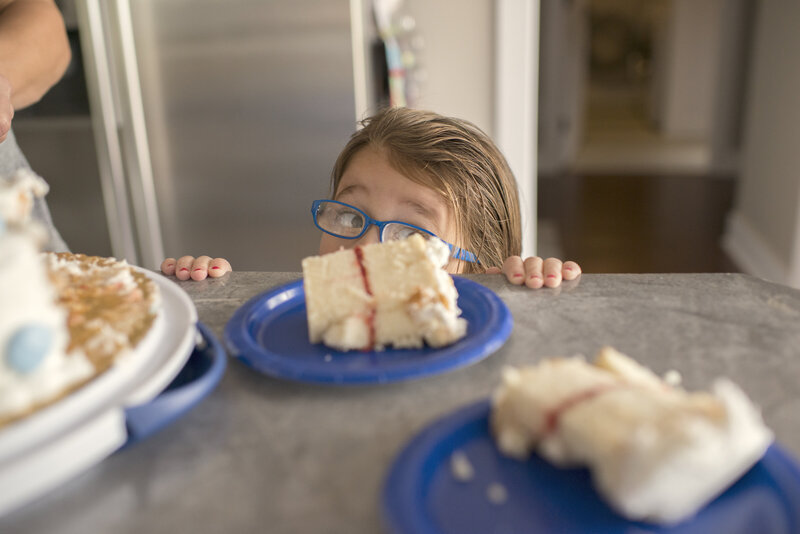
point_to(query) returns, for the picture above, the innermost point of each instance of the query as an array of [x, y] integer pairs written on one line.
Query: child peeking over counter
[[411, 171]]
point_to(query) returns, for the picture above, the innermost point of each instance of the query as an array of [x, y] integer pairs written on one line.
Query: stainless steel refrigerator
[[216, 123]]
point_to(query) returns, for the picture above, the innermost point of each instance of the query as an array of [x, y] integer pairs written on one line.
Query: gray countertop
[[263, 455]]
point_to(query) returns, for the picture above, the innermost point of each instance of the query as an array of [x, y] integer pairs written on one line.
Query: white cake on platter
[[34, 364], [64, 318]]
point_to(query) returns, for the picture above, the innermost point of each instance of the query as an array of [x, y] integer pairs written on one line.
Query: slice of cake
[[64, 318], [656, 452], [384, 294]]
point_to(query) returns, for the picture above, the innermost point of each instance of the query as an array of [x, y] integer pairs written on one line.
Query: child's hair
[[460, 162]]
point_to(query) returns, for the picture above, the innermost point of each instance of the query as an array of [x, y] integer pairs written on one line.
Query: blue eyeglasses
[[348, 222]]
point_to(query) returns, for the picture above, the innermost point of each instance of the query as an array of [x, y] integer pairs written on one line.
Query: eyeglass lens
[[339, 219], [397, 231]]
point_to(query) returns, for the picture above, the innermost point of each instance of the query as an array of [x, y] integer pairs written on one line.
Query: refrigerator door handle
[[102, 102], [134, 137], [123, 131]]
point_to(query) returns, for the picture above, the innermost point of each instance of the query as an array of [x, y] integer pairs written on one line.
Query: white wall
[[457, 58], [763, 233], [516, 53]]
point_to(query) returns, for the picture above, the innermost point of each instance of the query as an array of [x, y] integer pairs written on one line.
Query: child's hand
[[535, 272], [196, 268]]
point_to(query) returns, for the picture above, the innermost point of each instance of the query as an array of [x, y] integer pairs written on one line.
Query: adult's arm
[[34, 50]]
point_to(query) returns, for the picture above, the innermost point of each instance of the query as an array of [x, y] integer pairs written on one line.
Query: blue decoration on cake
[[28, 347]]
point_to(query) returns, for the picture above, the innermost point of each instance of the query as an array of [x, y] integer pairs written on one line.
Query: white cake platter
[[64, 439]]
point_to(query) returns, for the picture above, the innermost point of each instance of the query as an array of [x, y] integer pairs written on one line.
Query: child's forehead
[[401, 192], [374, 167]]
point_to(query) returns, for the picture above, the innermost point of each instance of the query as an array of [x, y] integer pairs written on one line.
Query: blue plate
[[422, 496], [196, 380], [270, 334]]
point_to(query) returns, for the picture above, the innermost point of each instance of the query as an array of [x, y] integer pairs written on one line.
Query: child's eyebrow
[[421, 209], [348, 189]]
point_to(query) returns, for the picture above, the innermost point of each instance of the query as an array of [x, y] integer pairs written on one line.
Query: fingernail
[[198, 269], [517, 275], [184, 269], [215, 267], [567, 268], [551, 276], [170, 264], [535, 277]]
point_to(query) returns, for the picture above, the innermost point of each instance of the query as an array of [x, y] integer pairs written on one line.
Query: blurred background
[[662, 136]]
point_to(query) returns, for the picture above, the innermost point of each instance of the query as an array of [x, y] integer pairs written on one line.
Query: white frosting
[[27, 298], [684, 478], [17, 194], [439, 324], [437, 315], [438, 252]]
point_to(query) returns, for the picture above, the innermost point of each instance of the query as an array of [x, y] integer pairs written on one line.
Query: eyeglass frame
[[455, 252]]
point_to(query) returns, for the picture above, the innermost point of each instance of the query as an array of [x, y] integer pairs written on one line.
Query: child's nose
[[372, 235]]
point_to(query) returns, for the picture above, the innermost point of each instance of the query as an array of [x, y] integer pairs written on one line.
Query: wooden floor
[[640, 224]]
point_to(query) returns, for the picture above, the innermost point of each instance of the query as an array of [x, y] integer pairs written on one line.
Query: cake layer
[[338, 303]]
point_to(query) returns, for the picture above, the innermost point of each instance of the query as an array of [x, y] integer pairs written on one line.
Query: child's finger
[[514, 270], [168, 266], [571, 270], [552, 272], [182, 267], [218, 267], [533, 272], [200, 268]]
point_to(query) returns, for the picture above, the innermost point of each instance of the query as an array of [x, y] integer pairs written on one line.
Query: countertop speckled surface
[[263, 455]]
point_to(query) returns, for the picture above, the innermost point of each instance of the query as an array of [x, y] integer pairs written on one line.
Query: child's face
[[372, 185]]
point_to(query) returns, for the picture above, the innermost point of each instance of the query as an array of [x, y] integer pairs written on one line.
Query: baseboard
[[750, 252]]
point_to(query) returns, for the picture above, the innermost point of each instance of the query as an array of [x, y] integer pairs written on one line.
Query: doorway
[[640, 110]]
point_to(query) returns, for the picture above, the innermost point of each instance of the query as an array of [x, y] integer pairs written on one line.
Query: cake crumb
[[461, 467], [673, 378], [199, 341], [496, 493]]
